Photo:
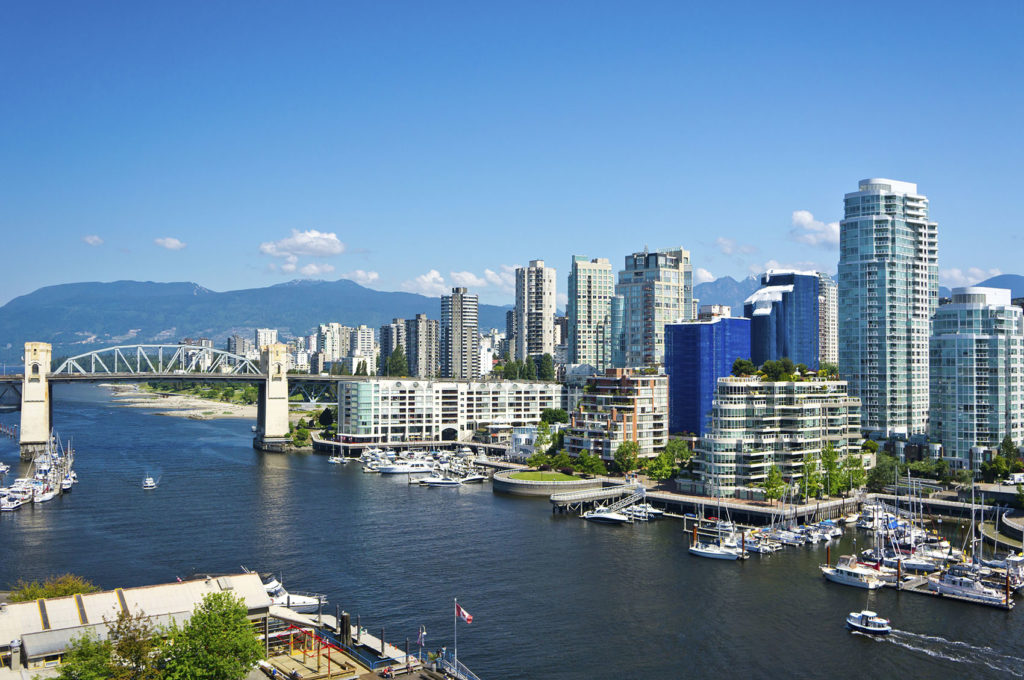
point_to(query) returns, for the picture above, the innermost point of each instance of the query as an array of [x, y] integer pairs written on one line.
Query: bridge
[[140, 363]]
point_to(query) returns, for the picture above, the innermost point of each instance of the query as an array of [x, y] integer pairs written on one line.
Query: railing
[[447, 663], [373, 663]]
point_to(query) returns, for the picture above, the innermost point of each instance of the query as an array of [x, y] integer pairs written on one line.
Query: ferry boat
[[868, 622], [148, 483], [848, 573]]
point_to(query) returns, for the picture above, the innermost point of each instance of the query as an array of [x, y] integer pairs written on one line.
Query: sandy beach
[[179, 405]]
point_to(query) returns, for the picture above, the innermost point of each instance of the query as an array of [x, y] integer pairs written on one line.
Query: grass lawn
[[535, 476]]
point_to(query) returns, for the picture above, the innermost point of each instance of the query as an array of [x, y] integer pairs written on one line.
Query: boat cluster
[[721, 539], [636, 512], [425, 468], [51, 474]]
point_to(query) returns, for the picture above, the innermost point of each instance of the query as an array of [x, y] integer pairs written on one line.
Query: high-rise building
[[756, 424], [785, 317], [535, 310], [362, 342], [264, 337], [392, 336], [422, 351], [243, 347], [697, 354], [510, 333], [657, 288], [615, 340], [977, 374], [334, 341], [888, 291], [828, 315], [460, 343], [589, 310]]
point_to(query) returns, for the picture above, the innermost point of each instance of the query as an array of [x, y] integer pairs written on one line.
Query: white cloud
[[701, 275], [814, 232], [729, 246], [290, 264], [504, 279], [431, 284], [953, 278], [468, 280], [309, 242], [363, 278], [316, 269], [93, 240], [170, 243], [562, 300]]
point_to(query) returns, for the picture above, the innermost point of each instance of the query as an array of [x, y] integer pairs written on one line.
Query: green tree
[[1020, 495], [216, 643], [554, 415], [529, 370], [883, 474], [870, 445], [680, 452], [538, 460], [627, 456], [361, 368], [828, 370], [55, 586], [830, 468], [546, 368], [662, 466], [773, 485], [1008, 450], [133, 643], [996, 469], [512, 370], [87, 658], [811, 477], [398, 365], [561, 460], [772, 370], [326, 418], [743, 367], [300, 437], [542, 440]]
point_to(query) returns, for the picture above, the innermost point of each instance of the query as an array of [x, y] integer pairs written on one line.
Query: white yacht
[[407, 467], [43, 494], [965, 586], [868, 622], [716, 551], [848, 573], [474, 478], [148, 483], [440, 481], [336, 460], [303, 603], [9, 504], [603, 516]]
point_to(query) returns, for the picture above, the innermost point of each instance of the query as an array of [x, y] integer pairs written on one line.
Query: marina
[[393, 555]]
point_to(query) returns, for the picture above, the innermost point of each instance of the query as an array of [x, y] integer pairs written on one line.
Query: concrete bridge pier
[[272, 414], [36, 402]]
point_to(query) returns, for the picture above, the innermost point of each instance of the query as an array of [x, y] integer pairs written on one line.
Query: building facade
[[589, 310], [460, 343], [697, 354], [334, 341], [756, 424], [785, 318], [409, 409], [657, 288], [264, 337], [619, 406], [392, 336], [423, 349], [977, 374], [828, 320], [535, 310], [888, 292]]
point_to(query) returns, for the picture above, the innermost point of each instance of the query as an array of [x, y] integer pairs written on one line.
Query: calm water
[[552, 597]]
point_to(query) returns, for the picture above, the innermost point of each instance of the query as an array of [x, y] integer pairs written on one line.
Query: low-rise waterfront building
[[619, 406], [758, 423], [410, 409]]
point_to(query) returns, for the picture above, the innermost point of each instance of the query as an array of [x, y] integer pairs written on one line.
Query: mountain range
[[77, 317]]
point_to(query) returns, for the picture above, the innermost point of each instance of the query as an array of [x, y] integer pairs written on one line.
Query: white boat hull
[[834, 576]]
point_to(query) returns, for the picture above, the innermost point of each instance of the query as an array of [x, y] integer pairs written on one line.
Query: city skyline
[[152, 144]]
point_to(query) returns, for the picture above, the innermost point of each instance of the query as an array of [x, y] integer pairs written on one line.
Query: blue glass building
[[697, 354], [785, 313]]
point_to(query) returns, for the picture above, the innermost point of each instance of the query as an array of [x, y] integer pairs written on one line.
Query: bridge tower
[[272, 414], [36, 404]]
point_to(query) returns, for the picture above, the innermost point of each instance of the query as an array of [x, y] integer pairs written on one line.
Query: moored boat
[[848, 573]]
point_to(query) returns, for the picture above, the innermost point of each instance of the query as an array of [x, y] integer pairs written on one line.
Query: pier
[[919, 585]]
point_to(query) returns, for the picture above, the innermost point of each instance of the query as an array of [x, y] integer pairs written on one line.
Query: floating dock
[[919, 584]]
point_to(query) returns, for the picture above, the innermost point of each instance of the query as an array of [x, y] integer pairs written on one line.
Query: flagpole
[[455, 627]]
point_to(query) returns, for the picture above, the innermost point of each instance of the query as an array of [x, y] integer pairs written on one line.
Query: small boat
[[474, 478], [9, 504], [717, 551], [868, 622], [303, 603], [441, 481], [407, 467], [966, 587], [43, 494], [335, 460], [66, 484], [606, 517], [848, 573], [148, 483], [4, 469]]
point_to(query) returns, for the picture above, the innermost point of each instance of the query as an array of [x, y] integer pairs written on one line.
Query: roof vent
[[225, 583]]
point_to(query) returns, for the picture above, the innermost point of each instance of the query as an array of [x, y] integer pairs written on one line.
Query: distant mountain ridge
[[77, 317], [726, 291]]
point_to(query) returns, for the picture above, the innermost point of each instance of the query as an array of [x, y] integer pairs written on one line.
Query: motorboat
[[9, 504], [66, 484], [603, 516], [148, 483], [646, 510], [43, 494], [868, 622], [407, 467], [303, 603], [4, 469], [441, 481], [966, 587], [716, 551], [848, 572], [336, 460]]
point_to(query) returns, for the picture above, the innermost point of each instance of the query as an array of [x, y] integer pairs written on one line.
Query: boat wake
[[955, 650]]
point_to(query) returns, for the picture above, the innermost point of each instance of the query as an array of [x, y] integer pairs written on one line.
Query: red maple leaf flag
[[463, 614]]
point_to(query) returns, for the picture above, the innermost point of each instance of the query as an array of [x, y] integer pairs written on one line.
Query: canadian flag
[[463, 614]]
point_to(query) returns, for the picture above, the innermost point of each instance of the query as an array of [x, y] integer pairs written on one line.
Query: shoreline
[[178, 405]]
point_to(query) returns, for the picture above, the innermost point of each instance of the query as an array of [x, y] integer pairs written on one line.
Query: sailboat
[[720, 550]]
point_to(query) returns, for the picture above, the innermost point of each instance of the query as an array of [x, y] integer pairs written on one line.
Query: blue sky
[[414, 146]]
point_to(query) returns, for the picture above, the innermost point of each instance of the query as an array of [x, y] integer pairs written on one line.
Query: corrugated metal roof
[[50, 642]]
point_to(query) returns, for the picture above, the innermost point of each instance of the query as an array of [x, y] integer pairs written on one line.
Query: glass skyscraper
[[977, 369], [785, 317], [697, 354], [888, 291]]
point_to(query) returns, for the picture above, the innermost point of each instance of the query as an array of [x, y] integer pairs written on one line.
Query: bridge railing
[[159, 360]]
